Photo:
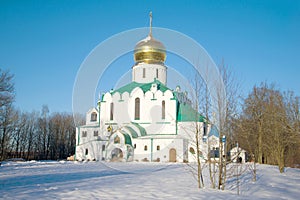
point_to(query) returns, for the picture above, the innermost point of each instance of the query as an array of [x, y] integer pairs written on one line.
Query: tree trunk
[[281, 161], [199, 169], [220, 164], [211, 174], [224, 165], [260, 153]]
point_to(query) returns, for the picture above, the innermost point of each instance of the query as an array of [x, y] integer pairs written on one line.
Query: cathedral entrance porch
[[116, 155]]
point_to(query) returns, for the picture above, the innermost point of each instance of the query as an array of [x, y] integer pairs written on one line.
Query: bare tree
[[198, 135], [7, 95], [226, 113], [221, 112], [44, 131]]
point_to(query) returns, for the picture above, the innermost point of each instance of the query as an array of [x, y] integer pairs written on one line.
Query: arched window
[[137, 109], [145, 148], [117, 140], [192, 151], [163, 110], [93, 117], [111, 111]]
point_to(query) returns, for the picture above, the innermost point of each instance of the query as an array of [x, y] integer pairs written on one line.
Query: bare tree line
[[268, 126], [32, 135]]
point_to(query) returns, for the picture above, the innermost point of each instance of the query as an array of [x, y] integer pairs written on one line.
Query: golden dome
[[149, 50]]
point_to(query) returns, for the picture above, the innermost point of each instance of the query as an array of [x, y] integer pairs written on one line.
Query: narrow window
[[95, 133], [145, 148], [84, 133], [163, 110], [93, 116], [204, 129], [137, 109], [103, 147], [134, 146], [111, 111], [158, 148], [86, 151], [156, 73], [144, 73]]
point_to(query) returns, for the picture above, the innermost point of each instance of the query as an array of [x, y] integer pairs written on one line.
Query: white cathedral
[[145, 120]]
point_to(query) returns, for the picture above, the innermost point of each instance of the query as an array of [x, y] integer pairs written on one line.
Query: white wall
[[163, 154], [150, 73], [94, 151]]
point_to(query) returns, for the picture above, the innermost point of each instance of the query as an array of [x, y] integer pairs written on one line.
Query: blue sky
[[43, 43]]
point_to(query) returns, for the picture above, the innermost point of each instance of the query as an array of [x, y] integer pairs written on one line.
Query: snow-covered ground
[[98, 180]]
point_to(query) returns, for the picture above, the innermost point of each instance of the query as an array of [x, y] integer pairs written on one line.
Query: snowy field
[[98, 180]]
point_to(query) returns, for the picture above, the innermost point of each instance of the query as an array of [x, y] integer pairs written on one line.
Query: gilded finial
[[150, 31]]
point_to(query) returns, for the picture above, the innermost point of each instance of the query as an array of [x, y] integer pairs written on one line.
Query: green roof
[[142, 130], [144, 86], [127, 138], [186, 113], [132, 131]]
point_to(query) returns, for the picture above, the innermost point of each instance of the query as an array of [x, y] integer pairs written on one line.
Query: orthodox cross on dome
[[150, 31]]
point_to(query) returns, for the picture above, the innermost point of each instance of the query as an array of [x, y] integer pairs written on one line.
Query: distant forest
[[34, 135]]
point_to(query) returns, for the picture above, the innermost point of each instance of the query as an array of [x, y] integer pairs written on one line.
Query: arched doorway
[[172, 155], [240, 160], [116, 154]]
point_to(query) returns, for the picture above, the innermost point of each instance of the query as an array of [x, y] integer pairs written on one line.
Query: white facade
[[144, 120], [159, 133]]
